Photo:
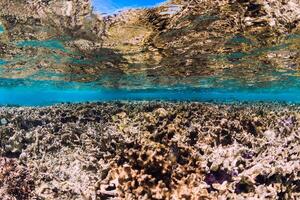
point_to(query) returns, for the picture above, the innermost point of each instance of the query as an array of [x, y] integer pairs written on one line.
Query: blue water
[[50, 44], [1, 29], [3, 62], [43, 93], [46, 87], [49, 96]]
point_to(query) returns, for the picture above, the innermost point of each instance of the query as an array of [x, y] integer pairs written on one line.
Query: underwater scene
[[156, 99]]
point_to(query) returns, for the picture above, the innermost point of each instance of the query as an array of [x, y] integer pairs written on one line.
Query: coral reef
[[143, 150], [15, 181]]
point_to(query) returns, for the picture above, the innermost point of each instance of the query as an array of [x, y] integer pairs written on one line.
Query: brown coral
[[15, 181]]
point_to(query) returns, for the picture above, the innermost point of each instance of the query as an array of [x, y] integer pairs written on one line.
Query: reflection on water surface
[[179, 44]]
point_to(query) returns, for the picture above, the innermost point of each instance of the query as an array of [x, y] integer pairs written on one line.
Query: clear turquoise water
[[41, 93], [38, 97], [51, 44], [49, 96], [1, 29], [259, 82], [3, 62]]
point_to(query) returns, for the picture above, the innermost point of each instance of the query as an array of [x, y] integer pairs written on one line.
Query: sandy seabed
[[150, 150]]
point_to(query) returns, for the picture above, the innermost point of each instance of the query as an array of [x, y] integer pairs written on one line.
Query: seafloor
[[150, 150]]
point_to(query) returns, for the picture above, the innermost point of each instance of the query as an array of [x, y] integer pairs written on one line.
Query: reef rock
[[151, 149]]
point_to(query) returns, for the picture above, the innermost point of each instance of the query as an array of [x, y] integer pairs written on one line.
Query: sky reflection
[[112, 6]]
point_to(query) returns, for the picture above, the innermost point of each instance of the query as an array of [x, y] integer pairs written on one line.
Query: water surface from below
[[176, 51], [43, 93]]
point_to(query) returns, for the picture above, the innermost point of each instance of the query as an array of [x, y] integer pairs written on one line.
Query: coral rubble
[[15, 181], [152, 150]]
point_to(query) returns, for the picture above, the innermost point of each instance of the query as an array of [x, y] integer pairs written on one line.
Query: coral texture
[[152, 150]]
